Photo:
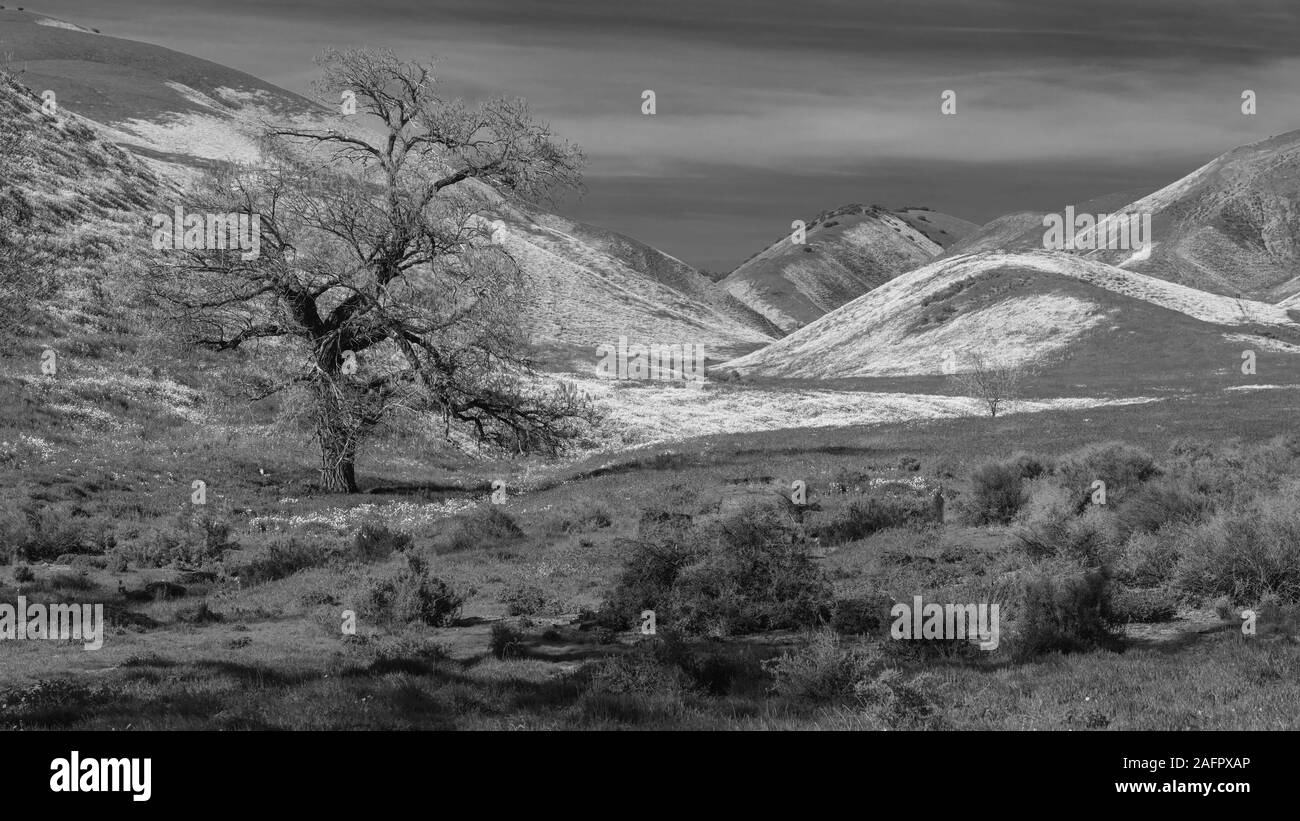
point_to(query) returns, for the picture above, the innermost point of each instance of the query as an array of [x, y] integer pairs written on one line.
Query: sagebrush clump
[[375, 541], [279, 560], [866, 516], [1245, 554], [412, 595], [1065, 609], [486, 526], [744, 574], [999, 488], [1121, 466]]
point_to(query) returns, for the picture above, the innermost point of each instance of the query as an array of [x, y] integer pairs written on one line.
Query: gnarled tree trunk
[[338, 440]]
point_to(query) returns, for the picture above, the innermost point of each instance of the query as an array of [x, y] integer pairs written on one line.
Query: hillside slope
[[942, 229], [181, 114], [1045, 309], [77, 192], [161, 104], [1023, 230], [848, 251], [1230, 227]]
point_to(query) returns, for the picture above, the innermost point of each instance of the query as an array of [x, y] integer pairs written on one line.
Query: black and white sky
[[770, 111]]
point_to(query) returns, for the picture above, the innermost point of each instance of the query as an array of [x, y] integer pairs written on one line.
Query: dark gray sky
[[771, 111]]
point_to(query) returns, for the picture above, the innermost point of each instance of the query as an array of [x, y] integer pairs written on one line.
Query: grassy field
[[231, 614]]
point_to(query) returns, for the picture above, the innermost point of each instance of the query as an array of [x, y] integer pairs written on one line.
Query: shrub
[[216, 536], [375, 541], [199, 613], [719, 674], [117, 563], [63, 582], [23, 574], [99, 536], [279, 560], [82, 561], [864, 615], [767, 588], [1049, 527], [580, 520], [49, 533], [1065, 612], [750, 578], [823, 670], [506, 642], [662, 525], [190, 540], [998, 489], [1245, 555], [1143, 605], [638, 673], [747, 575], [644, 584], [1186, 450], [1148, 559], [862, 518], [524, 600], [412, 595], [1121, 466], [1159, 503], [486, 526]]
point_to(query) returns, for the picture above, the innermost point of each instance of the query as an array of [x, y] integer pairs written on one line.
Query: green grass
[[273, 655]]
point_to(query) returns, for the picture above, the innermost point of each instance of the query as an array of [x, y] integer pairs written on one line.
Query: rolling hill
[[1230, 227], [73, 191], [848, 251], [1023, 230], [180, 114], [1056, 312]]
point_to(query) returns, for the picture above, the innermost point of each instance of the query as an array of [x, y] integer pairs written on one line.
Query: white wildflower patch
[[25, 450], [1263, 343], [653, 414], [396, 515], [88, 415], [67, 394]]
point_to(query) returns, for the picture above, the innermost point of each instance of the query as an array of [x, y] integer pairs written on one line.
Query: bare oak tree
[[996, 384], [377, 272]]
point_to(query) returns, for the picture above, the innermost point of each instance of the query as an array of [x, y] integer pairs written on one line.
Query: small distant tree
[[378, 274], [997, 385]]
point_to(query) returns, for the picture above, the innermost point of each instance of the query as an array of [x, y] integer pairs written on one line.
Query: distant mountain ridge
[[847, 251]]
